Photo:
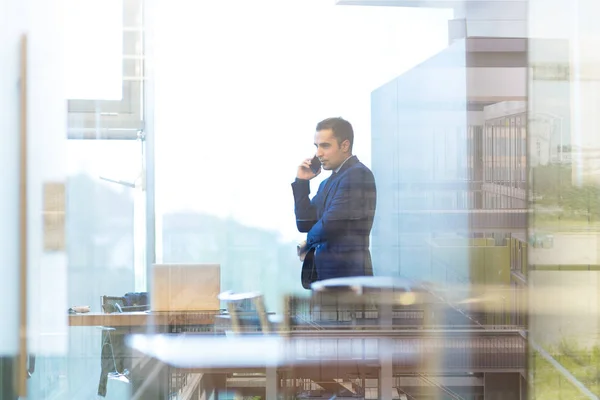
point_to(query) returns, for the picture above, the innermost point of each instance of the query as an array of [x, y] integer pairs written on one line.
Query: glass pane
[[229, 143], [228, 146], [476, 120], [32, 209], [102, 219], [9, 203], [105, 251], [564, 261]]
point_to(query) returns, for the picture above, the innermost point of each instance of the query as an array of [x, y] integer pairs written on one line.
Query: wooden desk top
[[143, 319]]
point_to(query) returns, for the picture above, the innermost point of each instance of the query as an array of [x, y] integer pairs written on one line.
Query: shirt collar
[[342, 164]]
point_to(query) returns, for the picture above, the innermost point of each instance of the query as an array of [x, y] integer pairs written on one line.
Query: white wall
[[47, 121], [41, 20], [11, 19]]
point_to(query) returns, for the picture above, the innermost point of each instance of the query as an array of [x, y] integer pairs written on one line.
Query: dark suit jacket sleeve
[[353, 200], [306, 212]]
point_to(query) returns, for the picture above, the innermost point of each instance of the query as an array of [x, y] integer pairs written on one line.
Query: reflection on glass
[[103, 255], [480, 126], [233, 125], [564, 193], [101, 218]]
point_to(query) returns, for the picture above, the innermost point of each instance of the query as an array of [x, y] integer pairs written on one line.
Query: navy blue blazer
[[338, 223]]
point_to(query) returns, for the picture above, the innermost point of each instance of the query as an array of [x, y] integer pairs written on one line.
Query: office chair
[[111, 304], [112, 362], [246, 310]]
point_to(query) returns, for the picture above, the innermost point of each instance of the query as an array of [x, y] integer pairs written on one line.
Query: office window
[[106, 183], [105, 69], [102, 220], [236, 107]]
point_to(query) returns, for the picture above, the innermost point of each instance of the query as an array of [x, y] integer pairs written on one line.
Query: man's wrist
[[301, 181]]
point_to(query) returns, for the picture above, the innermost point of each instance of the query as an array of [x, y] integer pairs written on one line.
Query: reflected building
[[518, 80], [566, 194], [450, 157], [449, 149]]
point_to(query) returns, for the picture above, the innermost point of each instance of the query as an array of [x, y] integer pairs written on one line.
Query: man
[[339, 218]]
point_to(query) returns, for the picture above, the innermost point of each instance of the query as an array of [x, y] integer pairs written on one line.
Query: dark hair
[[342, 130]]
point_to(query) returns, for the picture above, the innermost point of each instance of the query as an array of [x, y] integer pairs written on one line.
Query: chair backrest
[[246, 309], [368, 302], [128, 303], [111, 304]]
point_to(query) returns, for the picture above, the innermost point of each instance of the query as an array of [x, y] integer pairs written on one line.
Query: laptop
[[185, 287]]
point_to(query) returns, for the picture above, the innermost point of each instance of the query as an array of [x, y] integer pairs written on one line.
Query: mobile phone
[[315, 165]]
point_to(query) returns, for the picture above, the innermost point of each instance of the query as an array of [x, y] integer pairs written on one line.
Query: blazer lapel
[[328, 186], [334, 175]]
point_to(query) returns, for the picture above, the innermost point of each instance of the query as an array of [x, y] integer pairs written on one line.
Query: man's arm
[[306, 212], [354, 200]]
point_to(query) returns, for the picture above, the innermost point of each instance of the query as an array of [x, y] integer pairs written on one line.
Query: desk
[[132, 319], [326, 358], [279, 359], [117, 325]]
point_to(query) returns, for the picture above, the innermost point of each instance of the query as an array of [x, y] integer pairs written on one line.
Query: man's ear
[[346, 145]]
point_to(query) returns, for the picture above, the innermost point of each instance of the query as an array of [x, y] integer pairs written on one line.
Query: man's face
[[331, 153]]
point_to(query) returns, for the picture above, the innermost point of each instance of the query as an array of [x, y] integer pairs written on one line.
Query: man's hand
[[302, 250], [304, 171]]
